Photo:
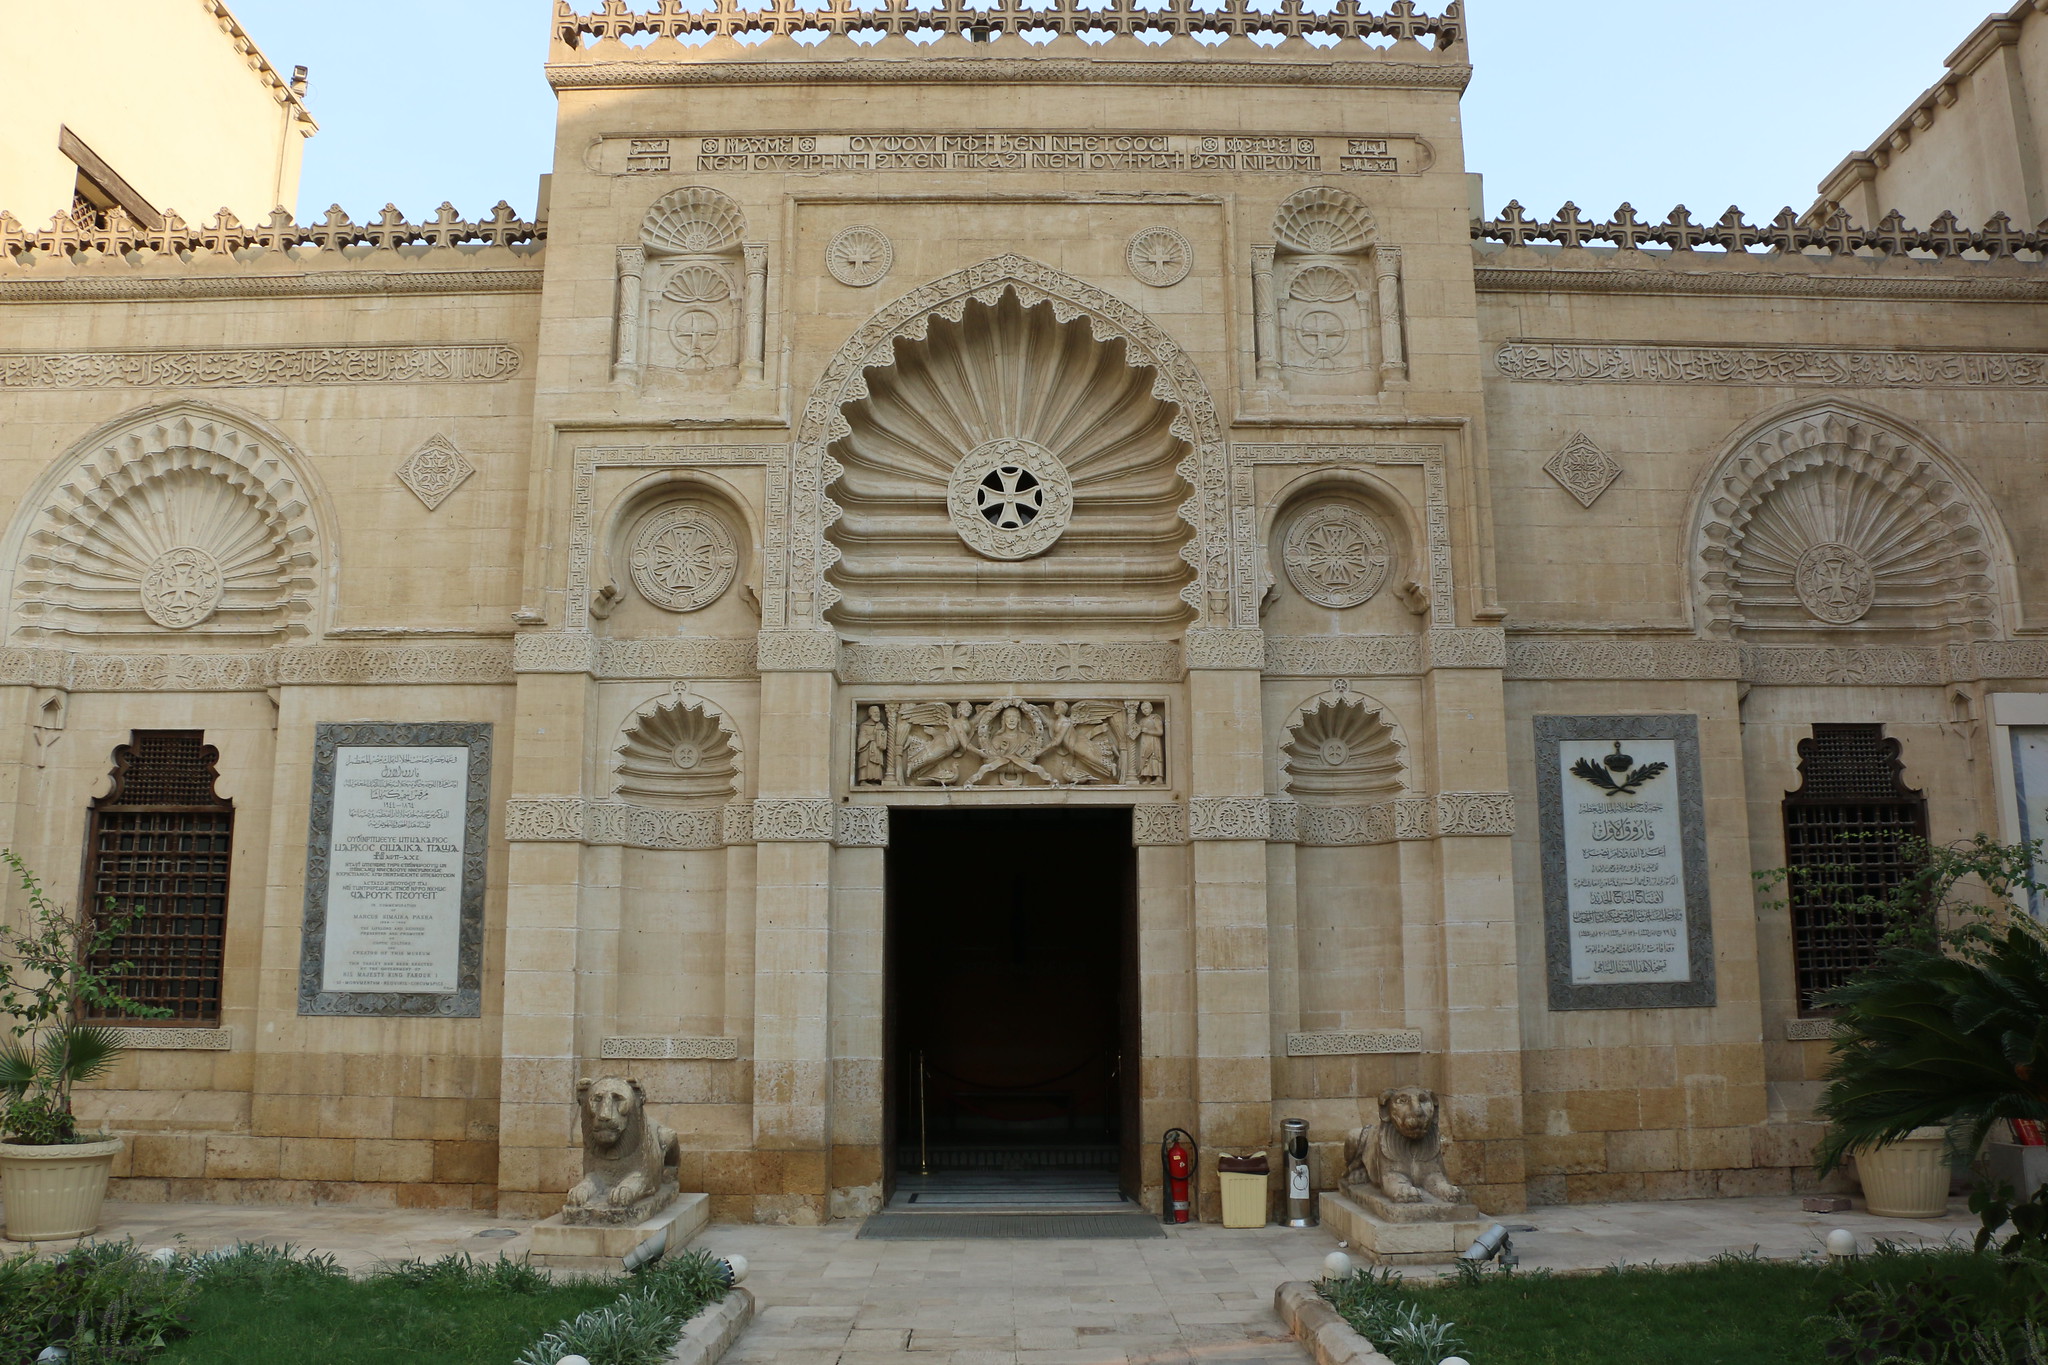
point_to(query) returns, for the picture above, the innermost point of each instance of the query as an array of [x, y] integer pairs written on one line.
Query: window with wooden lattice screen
[[1844, 828], [158, 846]]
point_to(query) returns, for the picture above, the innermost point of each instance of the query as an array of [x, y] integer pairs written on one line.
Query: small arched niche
[[1341, 560], [676, 751], [1343, 750], [679, 559]]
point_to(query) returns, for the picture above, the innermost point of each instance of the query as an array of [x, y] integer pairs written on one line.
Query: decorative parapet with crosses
[[113, 234], [1109, 18], [1831, 232]]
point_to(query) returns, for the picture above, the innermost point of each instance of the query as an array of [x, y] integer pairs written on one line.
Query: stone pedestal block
[[562, 1246], [1428, 1234]]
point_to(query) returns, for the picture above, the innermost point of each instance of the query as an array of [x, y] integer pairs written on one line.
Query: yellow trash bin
[[1244, 1200]]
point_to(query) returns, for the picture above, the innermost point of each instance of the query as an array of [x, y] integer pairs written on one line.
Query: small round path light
[[1841, 1243]]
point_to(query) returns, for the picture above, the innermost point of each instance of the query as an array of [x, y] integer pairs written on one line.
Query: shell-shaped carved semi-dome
[[170, 536], [694, 221], [1324, 221], [1011, 471], [676, 752], [1834, 521], [1342, 752]]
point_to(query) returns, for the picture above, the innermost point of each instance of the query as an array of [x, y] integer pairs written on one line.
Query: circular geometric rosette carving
[[1160, 257], [683, 558], [182, 587], [859, 256], [1337, 556], [1010, 499], [1835, 583]]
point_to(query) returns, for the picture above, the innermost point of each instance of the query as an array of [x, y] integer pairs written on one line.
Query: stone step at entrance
[[1025, 1191]]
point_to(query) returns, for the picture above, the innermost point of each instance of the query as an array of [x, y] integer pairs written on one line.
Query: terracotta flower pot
[[54, 1192], [1907, 1178]]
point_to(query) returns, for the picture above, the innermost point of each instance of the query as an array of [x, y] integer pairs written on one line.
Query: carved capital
[[1473, 647], [1159, 823], [555, 651], [797, 651], [1216, 648], [863, 827], [1230, 817], [795, 820]]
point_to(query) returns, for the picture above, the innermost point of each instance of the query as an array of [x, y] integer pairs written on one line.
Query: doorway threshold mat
[[948, 1227]]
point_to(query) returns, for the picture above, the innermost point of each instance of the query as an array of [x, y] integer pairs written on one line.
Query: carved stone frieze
[[1244, 649], [1475, 813], [653, 1049], [274, 367], [1626, 660], [863, 827], [173, 1039], [1583, 469], [1159, 256], [1018, 661], [1008, 743], [578, 820], [1621, 659], [794, 820], [797, 651], [1247, 588], [1229, 817], [1773, 366], [1468, 647], [675, 658], [1875, 666], [1810, 1030], [555, 651], [312, 284], [1759, 278], [1344, 656], [1356, 1043], [258, 670], [1159, 824], [434, 471], [737, 824]]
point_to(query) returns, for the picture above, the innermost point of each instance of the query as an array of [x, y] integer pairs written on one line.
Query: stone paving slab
[[1201, 1296]]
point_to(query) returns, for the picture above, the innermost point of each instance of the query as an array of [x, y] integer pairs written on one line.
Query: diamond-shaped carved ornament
[[1583, 469], [434, 471]]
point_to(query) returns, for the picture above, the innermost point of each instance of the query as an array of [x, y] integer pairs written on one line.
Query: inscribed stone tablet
[[1628, 924], [394, 870]]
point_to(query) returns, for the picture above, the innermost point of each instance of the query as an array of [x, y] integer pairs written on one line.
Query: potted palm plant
[[53, 1177], [1942, 1036]]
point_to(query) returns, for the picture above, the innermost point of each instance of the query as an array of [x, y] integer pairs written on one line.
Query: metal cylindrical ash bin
[[1301, 1210]]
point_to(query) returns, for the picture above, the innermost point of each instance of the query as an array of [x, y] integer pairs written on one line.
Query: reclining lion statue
[[1401, 1156], [629, 1160]]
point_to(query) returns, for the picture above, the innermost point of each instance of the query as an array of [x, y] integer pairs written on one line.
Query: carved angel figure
[[1080, 737], [1012, 751], [871, 750], [947, 738]]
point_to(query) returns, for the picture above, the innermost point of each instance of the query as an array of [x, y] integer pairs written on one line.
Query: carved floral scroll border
[[1248, 587], [260, 366], [619, 824], [1405, 818], [1621, 659], [1625, 362], [257, 670], [798, 593]]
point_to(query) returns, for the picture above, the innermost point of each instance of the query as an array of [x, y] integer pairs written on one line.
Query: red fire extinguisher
[[1179, 1158]]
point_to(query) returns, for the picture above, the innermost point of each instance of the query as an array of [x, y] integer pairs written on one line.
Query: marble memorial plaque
[[2030, 790], [1627, 917], [394, 870]]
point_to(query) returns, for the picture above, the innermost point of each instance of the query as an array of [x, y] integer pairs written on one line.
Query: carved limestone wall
[[1008, 743]]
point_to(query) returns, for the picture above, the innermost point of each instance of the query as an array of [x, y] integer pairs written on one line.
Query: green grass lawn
[[1732, 1312], [374, 1322]]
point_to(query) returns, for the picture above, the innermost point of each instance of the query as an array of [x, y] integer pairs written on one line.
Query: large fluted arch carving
[[186, 520], [798, 593], [1832, 517]]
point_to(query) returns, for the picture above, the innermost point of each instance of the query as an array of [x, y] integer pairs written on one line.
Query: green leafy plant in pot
[[52, 978]]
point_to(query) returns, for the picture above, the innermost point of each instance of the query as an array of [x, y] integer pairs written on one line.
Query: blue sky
[[1737, 102]]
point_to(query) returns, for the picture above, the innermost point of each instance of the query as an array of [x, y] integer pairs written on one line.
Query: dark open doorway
[[1011, 1006]]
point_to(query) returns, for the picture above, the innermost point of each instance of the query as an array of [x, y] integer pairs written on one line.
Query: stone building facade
[[931, 471]]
